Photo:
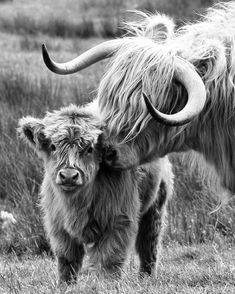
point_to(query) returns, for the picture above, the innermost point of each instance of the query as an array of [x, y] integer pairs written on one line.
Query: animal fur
[[147, 64], [111, 210]]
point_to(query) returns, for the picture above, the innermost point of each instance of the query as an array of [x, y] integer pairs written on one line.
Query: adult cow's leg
[[149, 233]]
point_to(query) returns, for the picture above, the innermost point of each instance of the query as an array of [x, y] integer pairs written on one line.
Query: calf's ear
[[31, 130]]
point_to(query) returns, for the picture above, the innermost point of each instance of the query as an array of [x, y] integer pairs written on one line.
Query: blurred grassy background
[[69, 27]]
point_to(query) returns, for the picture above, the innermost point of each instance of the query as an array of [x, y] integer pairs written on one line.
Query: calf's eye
[[53, 148], [89, 150]]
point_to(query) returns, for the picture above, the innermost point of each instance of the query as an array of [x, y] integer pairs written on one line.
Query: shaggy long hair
[[147, 64], [108, 210]]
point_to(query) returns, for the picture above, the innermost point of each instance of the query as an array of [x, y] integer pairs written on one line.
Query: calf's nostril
[[75, 176], [62, 176]]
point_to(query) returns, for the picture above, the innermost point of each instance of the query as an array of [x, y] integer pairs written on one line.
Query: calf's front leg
[[69, 255]]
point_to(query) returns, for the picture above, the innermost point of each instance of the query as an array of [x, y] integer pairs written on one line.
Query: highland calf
[[88, 206]]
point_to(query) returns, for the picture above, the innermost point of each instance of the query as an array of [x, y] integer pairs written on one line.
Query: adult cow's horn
[[195, 87], [93, 55]]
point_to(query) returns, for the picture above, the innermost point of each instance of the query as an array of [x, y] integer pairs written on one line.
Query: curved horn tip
[[45, 54], [48, 61], [150, 106], [146, 99], [161, 117]]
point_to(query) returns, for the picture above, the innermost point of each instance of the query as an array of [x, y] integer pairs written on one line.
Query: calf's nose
[[68, 176]]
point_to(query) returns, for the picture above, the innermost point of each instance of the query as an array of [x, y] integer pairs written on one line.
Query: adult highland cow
[[86, 203], [188, 75]]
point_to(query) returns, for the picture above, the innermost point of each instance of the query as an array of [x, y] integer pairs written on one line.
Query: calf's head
[[68, 142]]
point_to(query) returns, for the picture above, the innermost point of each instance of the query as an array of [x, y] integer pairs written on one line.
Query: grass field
[[183, 269], [28, 88]]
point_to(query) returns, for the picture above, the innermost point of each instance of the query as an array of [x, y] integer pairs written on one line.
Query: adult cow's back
[[189, 76]]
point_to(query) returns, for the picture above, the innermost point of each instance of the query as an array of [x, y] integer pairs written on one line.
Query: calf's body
[[88, 205]]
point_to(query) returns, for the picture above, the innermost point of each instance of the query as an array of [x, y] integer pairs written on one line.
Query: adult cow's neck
[[212, 134], [214, 137]]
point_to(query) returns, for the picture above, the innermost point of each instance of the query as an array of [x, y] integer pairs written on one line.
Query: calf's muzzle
[[69, 178]]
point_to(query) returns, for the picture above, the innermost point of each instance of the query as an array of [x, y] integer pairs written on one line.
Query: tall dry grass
[[55, 26], [201, 209], [82, 25]]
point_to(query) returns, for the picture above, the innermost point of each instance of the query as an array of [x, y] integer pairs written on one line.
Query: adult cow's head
[[135, 59], [68, 142], [175, 77]]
